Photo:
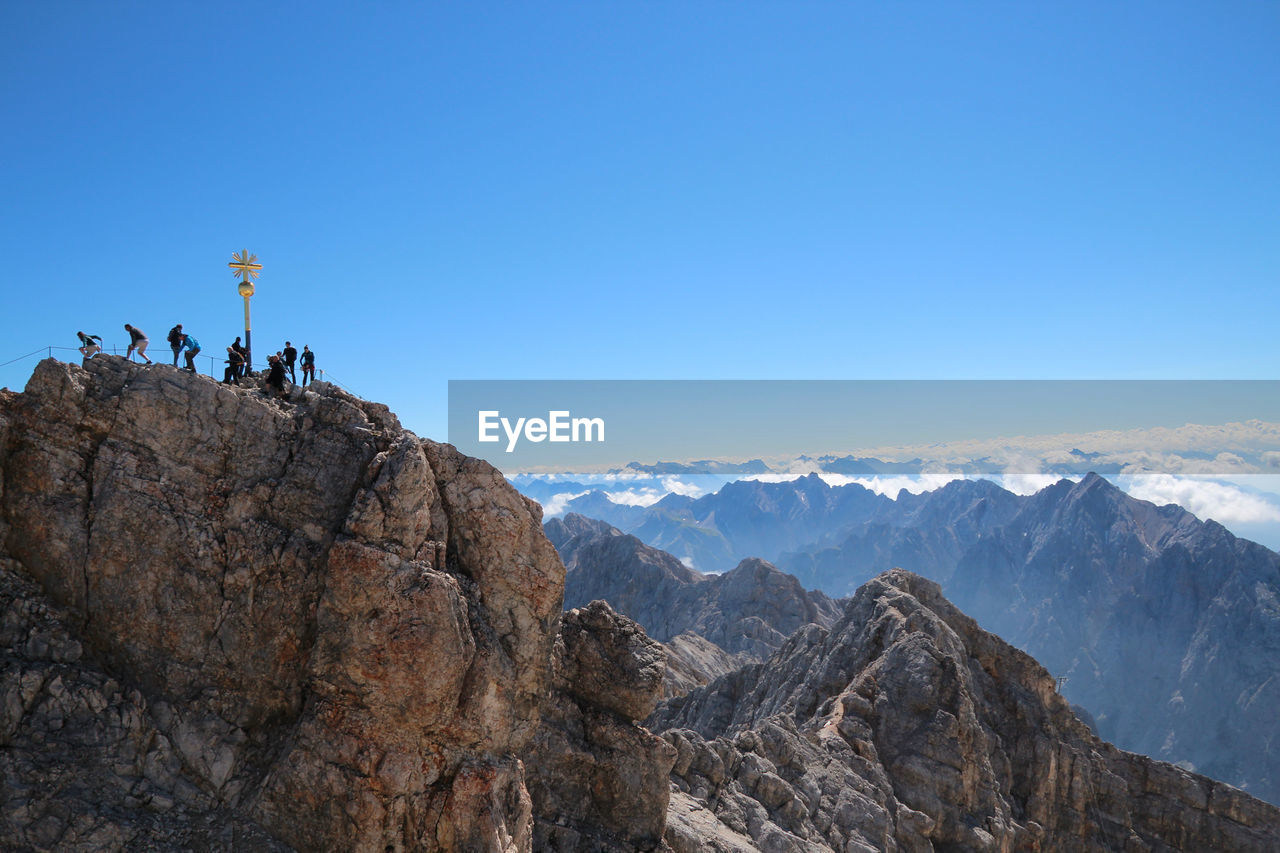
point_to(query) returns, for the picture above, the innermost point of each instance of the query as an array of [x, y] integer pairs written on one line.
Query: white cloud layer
[[1236, 448], [890, 486], [555, 505], [1224, 503], [637, 497]]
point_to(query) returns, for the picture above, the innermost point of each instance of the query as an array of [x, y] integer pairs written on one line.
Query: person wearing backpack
[[175, 342]]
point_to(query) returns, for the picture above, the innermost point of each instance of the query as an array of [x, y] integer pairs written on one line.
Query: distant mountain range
[[704, 466], [745, 518], [711, 624], [1165, 627]]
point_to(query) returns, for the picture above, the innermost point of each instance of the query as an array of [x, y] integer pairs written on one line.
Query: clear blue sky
[[651, 190]]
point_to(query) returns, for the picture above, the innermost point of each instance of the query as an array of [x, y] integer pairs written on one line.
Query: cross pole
[[245, 267]]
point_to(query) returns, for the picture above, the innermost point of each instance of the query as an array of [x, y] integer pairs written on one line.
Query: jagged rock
[[609, 661], [290, 621], [599, 781], [906, 727]]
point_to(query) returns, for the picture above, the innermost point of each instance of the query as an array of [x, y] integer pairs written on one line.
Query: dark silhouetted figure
[[235, 363], [275, 375], [175, 342], [244, 355], [290, 356]]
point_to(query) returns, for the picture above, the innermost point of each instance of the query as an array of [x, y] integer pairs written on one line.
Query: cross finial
[[244, 265]]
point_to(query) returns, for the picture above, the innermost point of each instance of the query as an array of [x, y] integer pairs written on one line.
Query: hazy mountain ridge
[[745, 613], [1163, 624]]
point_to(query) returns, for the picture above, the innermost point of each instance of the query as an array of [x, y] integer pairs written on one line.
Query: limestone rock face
[[599, 781], [906, 727], [289, 621]]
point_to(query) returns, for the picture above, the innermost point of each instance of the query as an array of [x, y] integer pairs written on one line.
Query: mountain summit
[[239, 623], [230, 622]]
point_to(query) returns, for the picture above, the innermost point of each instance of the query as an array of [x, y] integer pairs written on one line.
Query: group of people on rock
[[237, 356]]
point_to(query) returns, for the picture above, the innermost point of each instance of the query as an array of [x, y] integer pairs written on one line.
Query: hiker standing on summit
[[175, 342], [290, 356], [308, 365], [137, 341]]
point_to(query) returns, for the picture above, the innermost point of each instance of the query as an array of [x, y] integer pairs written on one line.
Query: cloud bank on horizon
[[1229, 472]]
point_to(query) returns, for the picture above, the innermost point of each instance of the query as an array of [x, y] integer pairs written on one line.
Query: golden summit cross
[[244, 265]]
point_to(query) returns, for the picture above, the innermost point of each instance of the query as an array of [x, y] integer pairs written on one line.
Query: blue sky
[[651, 190]]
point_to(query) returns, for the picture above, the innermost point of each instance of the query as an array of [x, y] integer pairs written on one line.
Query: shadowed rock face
[[906, 727], [293, 622], [599, 781]]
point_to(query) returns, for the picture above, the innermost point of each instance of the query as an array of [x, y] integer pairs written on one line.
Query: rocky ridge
[[906, 727], [1166, 627]]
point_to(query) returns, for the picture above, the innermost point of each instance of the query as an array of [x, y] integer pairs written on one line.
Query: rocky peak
[[328, 631], [562, 531], [906, 727]]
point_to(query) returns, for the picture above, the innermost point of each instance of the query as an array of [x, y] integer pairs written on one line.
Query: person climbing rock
[[175, 342], [137, 341], [90, 344]]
